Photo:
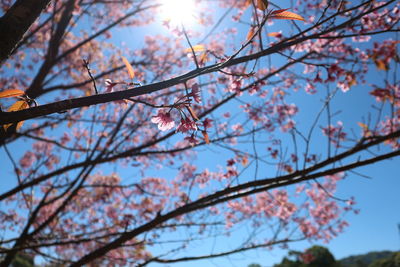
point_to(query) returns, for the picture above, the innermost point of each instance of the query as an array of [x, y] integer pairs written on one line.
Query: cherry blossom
[[191, 139], [163, 120], [96, 183], [195, 93], [186, 125]]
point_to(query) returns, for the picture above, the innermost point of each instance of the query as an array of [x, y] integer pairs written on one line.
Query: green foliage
[[393, 261], [322, 257], [254, 265], [288, 263], [365, 260], [318, 256]]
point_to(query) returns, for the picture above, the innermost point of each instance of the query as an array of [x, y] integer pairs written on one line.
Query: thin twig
[[191, 47], [86, 65]]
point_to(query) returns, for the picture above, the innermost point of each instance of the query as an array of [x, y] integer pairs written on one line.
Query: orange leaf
[[192, 113], [283, 14], [279, 11], [245, 161], [366, 131], [196, 48], [11, 93], [279, 92], [206, 138], [275, 34], [262, 4], [363, 125], [250, 34], [381, 65], [19, 105], [352, 82], [203, 58], [288, 168], [129, 68]]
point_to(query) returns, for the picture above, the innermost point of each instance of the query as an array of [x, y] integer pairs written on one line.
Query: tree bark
[[16, 22]]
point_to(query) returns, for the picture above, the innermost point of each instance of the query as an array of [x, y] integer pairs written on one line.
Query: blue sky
[[373, 229]]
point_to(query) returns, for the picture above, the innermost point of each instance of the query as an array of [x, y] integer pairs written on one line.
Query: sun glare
[[178, 12]]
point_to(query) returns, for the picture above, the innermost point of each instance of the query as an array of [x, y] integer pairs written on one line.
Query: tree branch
[[16, 22]]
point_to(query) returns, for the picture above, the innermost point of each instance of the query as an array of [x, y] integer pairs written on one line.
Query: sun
[[177, 12]]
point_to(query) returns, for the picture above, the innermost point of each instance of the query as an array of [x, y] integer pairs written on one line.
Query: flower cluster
[[189, 122]]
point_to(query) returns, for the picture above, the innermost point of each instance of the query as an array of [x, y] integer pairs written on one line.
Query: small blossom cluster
[[189, 122], [336, 134]]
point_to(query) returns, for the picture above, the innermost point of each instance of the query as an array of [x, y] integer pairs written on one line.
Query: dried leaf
[[192, 113], [203, 58], [275, 34], [129, 68], [366, 131], [352, 82], [11, 93], [278, 11], [284, 14], [363, 125], [206, 138], [245, 161], [19, 105], [262, 4], [250, 34], [381, 65], [279, 92], [382, 94], [288, 168], [196, 48]]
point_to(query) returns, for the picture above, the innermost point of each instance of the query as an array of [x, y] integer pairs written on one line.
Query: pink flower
[[317, 79], [110, 88], [196, 93], [27, 160], [191, 139], [109, 85], [186, 125], [236, 87], [164, 121], [335, 133], [238, 128], [166, 23], [310, 89], [207, 123]]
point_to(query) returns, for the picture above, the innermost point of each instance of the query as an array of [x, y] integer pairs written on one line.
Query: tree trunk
[[16, 22]]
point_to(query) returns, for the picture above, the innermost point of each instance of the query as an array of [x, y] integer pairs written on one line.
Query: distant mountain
[[364, 260], [322, 257]]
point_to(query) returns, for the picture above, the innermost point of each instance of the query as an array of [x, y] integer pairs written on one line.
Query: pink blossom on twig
[[164, 121]]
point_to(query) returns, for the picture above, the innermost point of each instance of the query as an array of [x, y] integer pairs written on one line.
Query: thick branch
[[52, 51], [61, 106], [16, 22]]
